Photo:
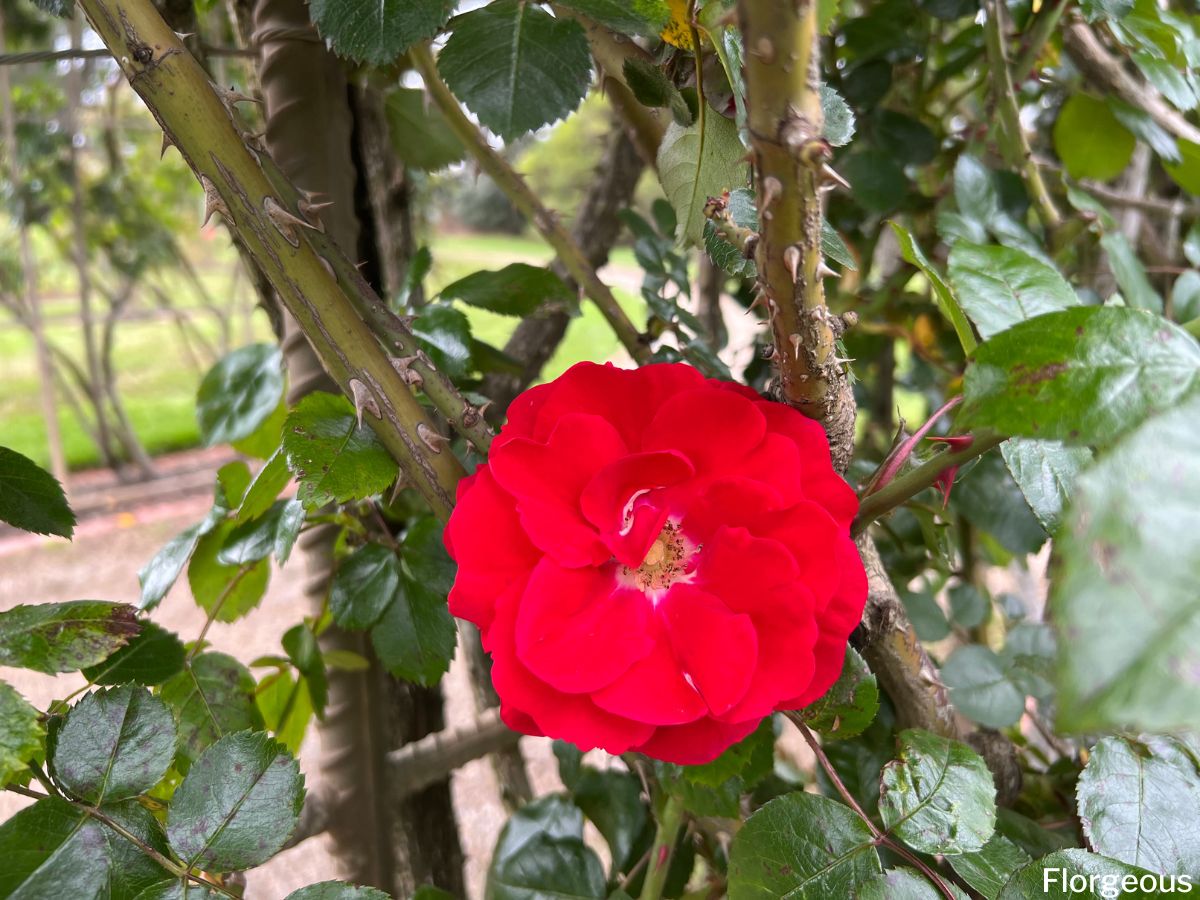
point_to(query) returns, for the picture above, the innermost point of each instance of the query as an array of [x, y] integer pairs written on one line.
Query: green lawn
[[158, 383]]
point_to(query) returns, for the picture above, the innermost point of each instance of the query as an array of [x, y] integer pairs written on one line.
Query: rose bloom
[[656, 561]]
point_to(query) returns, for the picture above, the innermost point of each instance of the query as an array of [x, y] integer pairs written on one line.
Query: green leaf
[[913, 142], [272, 478], [989, 499], [938, 795], [286, 707], [1046, 472], [341, 890], [541, 855], [178, 889], [366, 583], [968, 605], [839, 120], [1029, 655], [211, 697], [225, 592], [804, 847], [239, 393], [835, 248], [926, 616], [273, 532], [264, 440], [1137, 800], [651, 87], [1000, 286], [425, 556], [1095, 878], [850, 705], [415, 637], [1130, 273], [445, 333], [1165, 76], [1125, 601], [378, 31], [1083, 375], [21, 733], [1186, 173], [150, 658], [980, 687], [987, 870], [159, 575], [1090, 140], [52, 849], [301, 645], [516, 66], [904, 884], [238, 804], [942, 295], [32, 499], [60, 8], [692, 169], [613, 802], [516, 290], [116, 743], [643, 17], [750, 760], [63, 637], [1185, 297], [421, 136], [334, 459], [975, 195], [880, 185]]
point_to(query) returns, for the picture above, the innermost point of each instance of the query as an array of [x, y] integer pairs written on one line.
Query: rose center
[[668, 560]]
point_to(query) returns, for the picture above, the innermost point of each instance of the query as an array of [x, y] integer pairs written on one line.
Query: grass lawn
[[158, 383]]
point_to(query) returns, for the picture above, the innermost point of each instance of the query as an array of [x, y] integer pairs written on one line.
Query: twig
[[908, 485], [1044, 23], [177, 869], [791, 160], [880, 836], [525, 200], [1106, 71], [215, 610], [669, 822], [1013, 141]]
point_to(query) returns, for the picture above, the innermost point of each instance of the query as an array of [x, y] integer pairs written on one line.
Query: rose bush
[[656, 561]]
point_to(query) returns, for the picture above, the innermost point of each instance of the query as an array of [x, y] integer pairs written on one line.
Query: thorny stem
[[1040, 31], [669, 823], [791, 158], [176, 869], [881, 837], [908, 485], [525, 200], [1012, 137], [282, 240]]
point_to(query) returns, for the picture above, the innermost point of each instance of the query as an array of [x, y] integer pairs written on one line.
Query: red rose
[[656, 561]]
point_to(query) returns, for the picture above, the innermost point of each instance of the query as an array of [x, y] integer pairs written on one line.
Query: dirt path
[[102, 563]]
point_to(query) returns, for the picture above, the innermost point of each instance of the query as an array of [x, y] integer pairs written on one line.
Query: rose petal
[[547, 479], [697, 742], [776, 462], [787, 633], [812, 536], [712, 428], [653, 690], [742, 570], [717, 648], [485, 538], [577, 629], [821, 483], [627, 398], [570, 717], [609, 497]]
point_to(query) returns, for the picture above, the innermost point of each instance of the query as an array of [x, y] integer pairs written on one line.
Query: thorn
[[434, 441], [791, 259], [772, 188], [311, 211], [829, 176], [213, 201], [796, 341], [823, 271], [363, 399], [167, 143], [184, 35], [401, 363], [231, 97], [760, 299], [284, 221], [328, 267], [842, 360], [397, 488], [764, 50]]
